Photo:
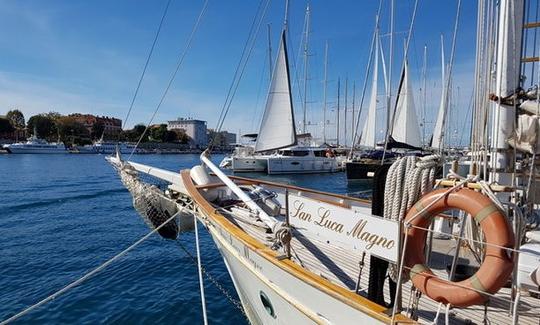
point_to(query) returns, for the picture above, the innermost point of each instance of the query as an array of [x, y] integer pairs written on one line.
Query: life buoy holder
[[497, 265]]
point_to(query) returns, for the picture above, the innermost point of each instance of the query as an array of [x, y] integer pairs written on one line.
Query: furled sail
[[405, 128], [438, 133], [368, 134], [277, 126]]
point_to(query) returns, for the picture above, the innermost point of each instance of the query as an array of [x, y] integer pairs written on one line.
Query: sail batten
[[277, 128]]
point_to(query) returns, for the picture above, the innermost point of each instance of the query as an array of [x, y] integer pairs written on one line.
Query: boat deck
[[342, 268]]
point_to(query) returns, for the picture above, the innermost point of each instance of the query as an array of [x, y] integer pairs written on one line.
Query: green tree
[[45, 126], [71, 131], [170, 136], [55, 116], [159, 133], [97, 130], [134, 134], [5, 126], [16, 118], [181, 136]]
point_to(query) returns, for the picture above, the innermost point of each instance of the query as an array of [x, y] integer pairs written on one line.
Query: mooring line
[[86, 276]]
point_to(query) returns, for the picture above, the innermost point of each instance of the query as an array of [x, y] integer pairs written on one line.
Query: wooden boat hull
[[274, 290]]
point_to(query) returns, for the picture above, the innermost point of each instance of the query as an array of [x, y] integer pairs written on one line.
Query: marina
[[411, 199]]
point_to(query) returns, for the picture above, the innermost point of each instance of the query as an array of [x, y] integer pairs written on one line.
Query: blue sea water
[[63, 215]]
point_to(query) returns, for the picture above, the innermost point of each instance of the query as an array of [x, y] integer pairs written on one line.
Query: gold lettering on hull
[[324, 220]]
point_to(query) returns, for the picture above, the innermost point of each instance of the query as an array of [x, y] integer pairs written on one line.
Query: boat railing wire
[[179, 63]]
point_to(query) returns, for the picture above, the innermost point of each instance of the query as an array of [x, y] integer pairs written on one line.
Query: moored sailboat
[[299, 256]]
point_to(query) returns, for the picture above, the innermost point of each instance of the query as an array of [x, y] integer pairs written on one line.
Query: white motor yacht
[[36, 145], [297, 160]]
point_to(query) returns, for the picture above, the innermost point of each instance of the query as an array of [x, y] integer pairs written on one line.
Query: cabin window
[[267, 304], [319, 153], [300, 153], [286, 153]]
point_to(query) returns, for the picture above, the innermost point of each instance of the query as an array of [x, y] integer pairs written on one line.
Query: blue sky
[[86, 56]]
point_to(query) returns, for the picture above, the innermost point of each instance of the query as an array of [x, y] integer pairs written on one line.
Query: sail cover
[[405, 128], [368, 134], [277, 126]]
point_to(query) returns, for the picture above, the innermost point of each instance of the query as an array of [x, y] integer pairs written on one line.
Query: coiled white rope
[[86, 276], [408, 179]]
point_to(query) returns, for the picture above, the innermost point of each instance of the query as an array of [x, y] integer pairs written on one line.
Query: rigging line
[[259, 90], [239, 62], [86, 276], [147, 62], [469, 111], [244, 58], [199, 269], [179, 64], [368, 68], [237, 83], [390, 126], [448, 75], [295, 63]]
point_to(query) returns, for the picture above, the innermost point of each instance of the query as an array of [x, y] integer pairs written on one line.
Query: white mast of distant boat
[[306, 57], [324, 89]]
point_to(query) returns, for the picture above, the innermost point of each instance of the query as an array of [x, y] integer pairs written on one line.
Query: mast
[[424, 96], [324, 89], [337, 115], [269, 51], [506, 82], [306, 49], [389, 89], [352, 123], [345, 112]]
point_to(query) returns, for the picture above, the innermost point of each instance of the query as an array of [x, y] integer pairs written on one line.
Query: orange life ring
[[497, 265]]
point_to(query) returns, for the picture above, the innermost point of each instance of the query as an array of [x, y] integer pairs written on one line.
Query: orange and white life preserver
[[497, 265]]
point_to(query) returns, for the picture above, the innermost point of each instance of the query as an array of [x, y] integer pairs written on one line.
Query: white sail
[[405, 128], [368, 133], [438, 133], [277, 126]]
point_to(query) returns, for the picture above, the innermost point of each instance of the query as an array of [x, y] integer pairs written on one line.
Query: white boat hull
[[249, 164], [36, 150], [300, 165]]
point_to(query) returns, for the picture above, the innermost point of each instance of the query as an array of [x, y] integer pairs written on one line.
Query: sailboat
[[405, 132], [363, 165], [302, 256], [276, 149]]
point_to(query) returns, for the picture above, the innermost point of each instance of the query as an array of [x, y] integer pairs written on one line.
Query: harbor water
[[63, 215]]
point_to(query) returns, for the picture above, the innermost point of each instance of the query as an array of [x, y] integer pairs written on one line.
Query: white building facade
[[194, 129]]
